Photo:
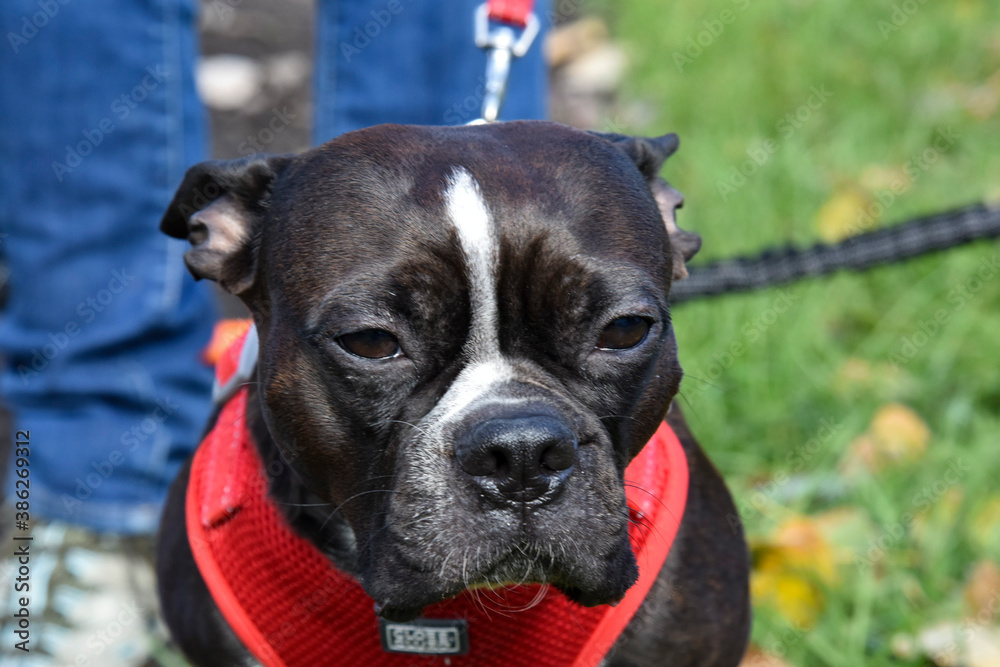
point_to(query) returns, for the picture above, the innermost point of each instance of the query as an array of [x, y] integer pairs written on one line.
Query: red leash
[[292, 608]]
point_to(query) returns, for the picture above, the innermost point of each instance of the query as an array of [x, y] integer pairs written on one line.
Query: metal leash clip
[[503, 46]]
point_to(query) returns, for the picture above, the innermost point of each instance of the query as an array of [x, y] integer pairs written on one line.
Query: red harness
[[292, 608]]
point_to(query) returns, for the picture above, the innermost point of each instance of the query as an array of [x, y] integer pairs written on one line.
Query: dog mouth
[[508, 580], [523, 500]]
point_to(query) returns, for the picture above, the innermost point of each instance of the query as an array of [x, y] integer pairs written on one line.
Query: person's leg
[[403, 61], [101, 332]]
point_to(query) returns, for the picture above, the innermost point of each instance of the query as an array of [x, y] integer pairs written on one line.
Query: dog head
[[465, 338]]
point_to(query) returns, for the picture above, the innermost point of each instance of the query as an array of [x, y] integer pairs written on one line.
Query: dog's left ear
[[649, 154], [219, 208]]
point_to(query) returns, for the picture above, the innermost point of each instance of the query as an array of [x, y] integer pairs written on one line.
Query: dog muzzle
[[292, 608]]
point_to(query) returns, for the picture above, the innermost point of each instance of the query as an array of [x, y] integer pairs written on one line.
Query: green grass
[[889, 99]]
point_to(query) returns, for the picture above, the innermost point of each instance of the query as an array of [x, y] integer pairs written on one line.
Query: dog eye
[[623, 333], [371, 344]]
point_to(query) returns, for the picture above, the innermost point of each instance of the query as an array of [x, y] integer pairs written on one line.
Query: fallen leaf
[[845, 214], [791, 567], [757, 657], [901, 432], [794, 596], [896, 435], [982, 592]]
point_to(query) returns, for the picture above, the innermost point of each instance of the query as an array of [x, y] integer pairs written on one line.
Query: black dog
[[471, 326]]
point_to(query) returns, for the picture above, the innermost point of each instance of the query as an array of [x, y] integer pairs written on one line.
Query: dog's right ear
[[649, 154], [219, 208]]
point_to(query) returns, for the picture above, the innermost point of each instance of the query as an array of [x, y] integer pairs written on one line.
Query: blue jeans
[[412, 61], [103, 326]]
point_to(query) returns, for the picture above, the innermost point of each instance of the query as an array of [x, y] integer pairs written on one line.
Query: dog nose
[[520, 458]]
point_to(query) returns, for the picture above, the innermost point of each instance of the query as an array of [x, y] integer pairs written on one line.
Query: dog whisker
[[444, 563], [664, 506], [399, 421], [350, 498], [702, 380], [639, 487]]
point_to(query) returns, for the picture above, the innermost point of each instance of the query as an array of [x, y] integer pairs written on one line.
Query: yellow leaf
[[792, 595], [846, 213], [901, 432], [790, 569], [896, 435]]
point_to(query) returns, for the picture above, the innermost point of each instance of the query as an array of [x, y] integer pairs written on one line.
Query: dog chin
[[402, 593]]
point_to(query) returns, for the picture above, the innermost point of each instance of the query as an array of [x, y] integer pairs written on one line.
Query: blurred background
[[856, 418]]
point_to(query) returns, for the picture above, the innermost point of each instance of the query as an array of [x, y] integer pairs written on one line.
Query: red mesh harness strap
[[292, 608]]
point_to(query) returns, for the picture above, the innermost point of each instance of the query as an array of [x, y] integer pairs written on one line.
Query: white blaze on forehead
[[472, 221], [477, 235]]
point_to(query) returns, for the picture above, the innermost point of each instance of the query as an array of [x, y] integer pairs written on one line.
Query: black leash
[[777, 266]]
